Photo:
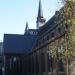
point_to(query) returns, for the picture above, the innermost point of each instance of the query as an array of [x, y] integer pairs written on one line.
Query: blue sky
[[15, 13]]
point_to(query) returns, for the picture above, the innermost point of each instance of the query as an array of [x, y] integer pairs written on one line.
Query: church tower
[[40, 19]]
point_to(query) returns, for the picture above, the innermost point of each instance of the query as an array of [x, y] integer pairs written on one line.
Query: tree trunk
[[67, 66]]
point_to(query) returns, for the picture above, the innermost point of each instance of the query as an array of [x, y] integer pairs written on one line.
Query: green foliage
[[69, 19]]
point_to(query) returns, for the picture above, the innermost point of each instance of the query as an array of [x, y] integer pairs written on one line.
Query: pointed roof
[[26, 29], [26, 26], [40, 12]]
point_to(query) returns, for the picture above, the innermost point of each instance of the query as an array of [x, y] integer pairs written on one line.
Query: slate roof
[[40, 12], [47, 25], [18, 44]]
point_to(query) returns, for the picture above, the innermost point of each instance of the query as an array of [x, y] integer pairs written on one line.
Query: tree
[[69, 20]]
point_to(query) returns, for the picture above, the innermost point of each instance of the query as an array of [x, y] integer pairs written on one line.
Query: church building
[[39, 51]]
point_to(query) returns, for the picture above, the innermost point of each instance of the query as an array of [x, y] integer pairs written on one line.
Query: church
[[38, 51]]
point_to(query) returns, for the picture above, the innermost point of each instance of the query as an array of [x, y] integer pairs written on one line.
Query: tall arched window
[[59, 30], [49, 59], [59, 59], [42, 62], [52, 34]]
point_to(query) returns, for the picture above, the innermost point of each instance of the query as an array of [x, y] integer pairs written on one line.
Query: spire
[[27, 28], [40, 19], [40, 12]]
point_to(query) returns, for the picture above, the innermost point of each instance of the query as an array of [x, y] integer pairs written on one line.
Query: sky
[[15, 13]]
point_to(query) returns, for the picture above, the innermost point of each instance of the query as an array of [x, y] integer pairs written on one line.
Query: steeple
[[40, 12], [40, 18], [27, 28]]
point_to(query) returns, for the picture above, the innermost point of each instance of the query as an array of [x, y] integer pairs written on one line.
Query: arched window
[[37, 64], [47, 37], [42, 62], [59, 30], [52, 34], [49, 57]]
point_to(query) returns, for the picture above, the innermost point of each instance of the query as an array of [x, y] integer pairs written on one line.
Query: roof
[[18, 44], [40, 12], [48, 25]]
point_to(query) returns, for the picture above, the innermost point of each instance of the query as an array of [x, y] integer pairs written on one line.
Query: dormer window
[[32, 32]]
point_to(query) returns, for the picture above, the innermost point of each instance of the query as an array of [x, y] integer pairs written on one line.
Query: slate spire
[[40, 19], [40, 12], [26, 28]]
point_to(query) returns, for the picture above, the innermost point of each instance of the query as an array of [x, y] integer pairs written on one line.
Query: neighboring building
[[38, 51], [1, 57], [1, 48]]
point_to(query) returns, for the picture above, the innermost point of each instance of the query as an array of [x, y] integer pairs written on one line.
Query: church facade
[[48, 56], [39, 51]]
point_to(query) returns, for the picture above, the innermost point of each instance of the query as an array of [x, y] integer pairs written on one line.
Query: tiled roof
[[18, 44]]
